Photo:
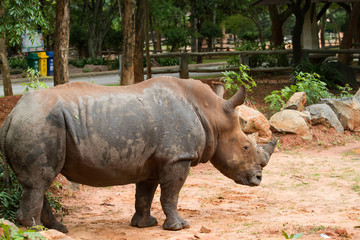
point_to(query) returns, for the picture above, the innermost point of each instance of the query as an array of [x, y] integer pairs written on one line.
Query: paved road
[[101, 80]]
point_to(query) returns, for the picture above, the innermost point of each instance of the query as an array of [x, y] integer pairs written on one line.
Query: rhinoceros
[[148, 134]]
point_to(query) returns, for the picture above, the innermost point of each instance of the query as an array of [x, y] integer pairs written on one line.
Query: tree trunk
[[158, 41], [128, 49], [193, 22], [5, 69], [152, 33], [276, 26], [299, 23], [322, 30], [61, 44], [139, 42], [347, 40], [147, 21]]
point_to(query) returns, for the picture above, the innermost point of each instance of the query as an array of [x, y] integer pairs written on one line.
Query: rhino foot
[[142, 222], [60, 227], [175, 226]]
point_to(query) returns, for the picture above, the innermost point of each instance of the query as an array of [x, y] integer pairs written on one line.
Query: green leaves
[[12, 233], [34, 83], [309, 83], [233, 80], [19, 17], [292, 236]]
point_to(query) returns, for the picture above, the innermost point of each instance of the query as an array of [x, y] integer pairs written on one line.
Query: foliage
[[21, 16], [168, 61], [210, 30], [327, 73], [80, 63], [233, 80], [279, 60], [345, 91], [34, 83], [12, 233], [18, 62], [240, 26], [292, 236], [309, 83], [176, 38]]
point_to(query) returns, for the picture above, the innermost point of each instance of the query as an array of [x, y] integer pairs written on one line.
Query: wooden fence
[[183, 69]]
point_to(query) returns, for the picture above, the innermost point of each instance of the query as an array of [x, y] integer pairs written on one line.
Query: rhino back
[[115, 137]]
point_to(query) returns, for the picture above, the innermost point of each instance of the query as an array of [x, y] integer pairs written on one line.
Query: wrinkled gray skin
[[149, 134]]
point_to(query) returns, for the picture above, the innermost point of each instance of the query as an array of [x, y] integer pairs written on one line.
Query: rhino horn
[[219, 89], [237, 99], [268, 149]]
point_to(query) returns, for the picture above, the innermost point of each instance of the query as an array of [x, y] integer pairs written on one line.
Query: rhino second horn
[[237, 99]]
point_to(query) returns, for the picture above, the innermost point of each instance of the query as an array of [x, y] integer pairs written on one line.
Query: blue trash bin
[[50, 63]]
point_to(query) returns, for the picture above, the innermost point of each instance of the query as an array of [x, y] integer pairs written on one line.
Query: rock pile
[[341, 114]]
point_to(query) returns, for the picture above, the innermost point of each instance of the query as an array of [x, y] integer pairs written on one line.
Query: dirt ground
[[309, 187]]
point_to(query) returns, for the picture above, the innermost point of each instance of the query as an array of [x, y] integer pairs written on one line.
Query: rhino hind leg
[[144, 197], [175, 176], [48, 218], [30, 206]]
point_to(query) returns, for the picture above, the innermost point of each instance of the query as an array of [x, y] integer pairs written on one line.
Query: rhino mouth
[[252, 180]]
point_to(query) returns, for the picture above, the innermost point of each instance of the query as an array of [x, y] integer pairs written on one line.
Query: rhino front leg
[[144, 197], [48, 218], [171, 184]]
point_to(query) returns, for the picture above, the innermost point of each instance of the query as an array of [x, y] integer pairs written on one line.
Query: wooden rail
[[184, 68]]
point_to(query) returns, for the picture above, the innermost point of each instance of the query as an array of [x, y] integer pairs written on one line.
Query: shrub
[[18, 62], [233, 80], [328, 74], [309, 83], [168, 61]]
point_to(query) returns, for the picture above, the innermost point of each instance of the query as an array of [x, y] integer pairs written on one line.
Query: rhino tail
[[3, 132]]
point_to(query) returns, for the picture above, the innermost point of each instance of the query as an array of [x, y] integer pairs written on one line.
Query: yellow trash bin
[[42, 63]]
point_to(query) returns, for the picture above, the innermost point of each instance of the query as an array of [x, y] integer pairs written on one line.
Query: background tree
[[61, 46], [278, 16], [300, 8], [15, 18], [128, 48]]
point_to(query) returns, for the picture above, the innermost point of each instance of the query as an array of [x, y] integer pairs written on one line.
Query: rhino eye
[[246, 147]]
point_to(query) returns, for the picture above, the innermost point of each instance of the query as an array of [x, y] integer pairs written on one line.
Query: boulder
[[296, 102], [324, 115], [253, 121], [292, 121], [53, 234], [347, 110]]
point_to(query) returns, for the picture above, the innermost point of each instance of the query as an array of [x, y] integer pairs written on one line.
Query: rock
[[204, 230], [347, 110], [7, 222], [357, 94], [53, 234], [296, 102], [254, 121], [324, 115], [292, 121]]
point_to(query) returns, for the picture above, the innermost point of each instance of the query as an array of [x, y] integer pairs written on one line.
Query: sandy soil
[[308, 191]]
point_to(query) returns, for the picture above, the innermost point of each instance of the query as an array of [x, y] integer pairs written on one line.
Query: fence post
[[184, 66]]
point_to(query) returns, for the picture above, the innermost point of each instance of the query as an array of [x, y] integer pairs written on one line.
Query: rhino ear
[[219, 89], [237, 99]]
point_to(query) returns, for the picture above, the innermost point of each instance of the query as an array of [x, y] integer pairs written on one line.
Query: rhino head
[[236, 156]]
